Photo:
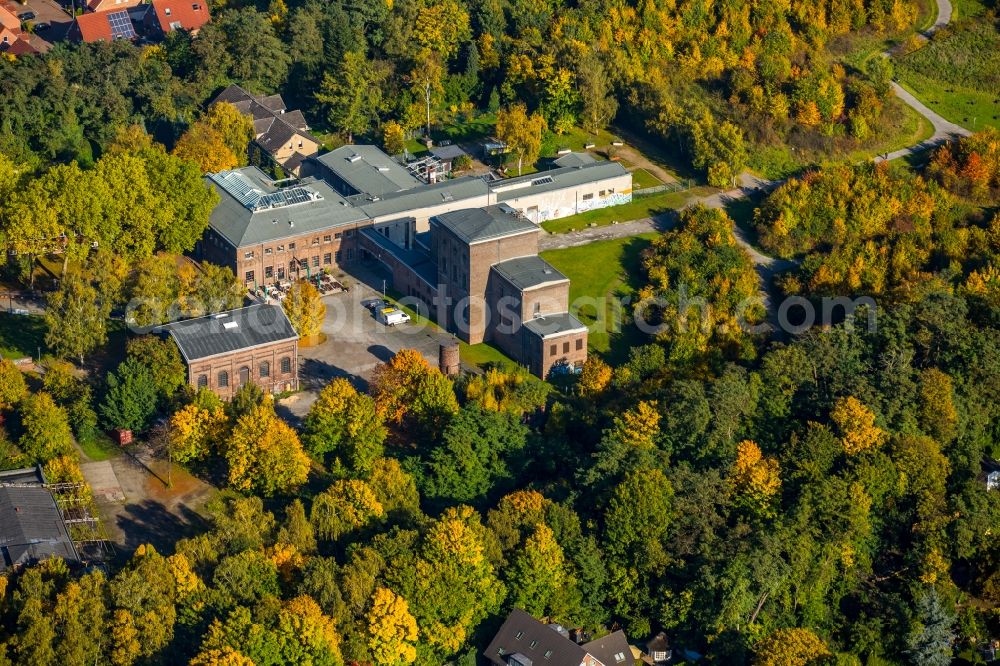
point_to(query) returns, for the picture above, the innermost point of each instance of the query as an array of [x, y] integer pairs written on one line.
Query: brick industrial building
[[474, 239], [224, 351], [479, 273]]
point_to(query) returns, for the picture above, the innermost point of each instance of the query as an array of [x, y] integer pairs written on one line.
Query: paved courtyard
[[355, 343]]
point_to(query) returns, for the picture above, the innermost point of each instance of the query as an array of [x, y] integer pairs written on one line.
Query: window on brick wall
[[223, 379], [316, 261], [566, 347], [327, 238], [327, 259], [269, 272], [249, 276], [553, 350], [286, 365], [264, 370], [202, 381], [244, 375], [579, 344]]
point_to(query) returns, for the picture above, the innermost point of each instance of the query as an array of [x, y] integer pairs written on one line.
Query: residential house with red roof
[[103, 26], [12, 39], [111, 5], [169, 15]]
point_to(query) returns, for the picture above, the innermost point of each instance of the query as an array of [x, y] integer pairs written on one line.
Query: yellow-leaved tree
[[756, 479], [264, 453], [595, 378], [345, 506], [522, 133], [305, 309], [392, 630], [858, 432], [791, 647], [194, 430]]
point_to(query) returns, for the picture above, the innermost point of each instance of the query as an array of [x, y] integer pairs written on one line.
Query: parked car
[[41, 25], [26, 16], [391, 316], [374, 304]]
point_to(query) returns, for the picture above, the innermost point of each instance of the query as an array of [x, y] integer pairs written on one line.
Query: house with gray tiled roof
[[283, 135]]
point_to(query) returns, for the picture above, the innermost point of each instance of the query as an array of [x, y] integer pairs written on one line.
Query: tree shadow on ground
[[316, 374], [150, 521]]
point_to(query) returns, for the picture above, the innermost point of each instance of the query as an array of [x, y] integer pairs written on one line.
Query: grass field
[[636, 209], [99, 448], [482, 354], [21, 335], [642, 179], [601, 273], [958, 73]]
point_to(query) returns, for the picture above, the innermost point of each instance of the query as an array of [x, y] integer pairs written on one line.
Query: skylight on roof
[[544, 180], [230, 325]]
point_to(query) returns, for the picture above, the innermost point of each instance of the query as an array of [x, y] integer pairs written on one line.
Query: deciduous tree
[[344, 507], [75, 318], [46, 428], [856, 423], [791, 647], [392, 630], [305, 309], [264, 454], [521, 133], [345, 423]]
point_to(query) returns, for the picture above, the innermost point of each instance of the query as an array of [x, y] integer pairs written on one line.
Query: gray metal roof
[[368, 170], [448, 152], [252, 210], [575, 160], [425, 196], [230, 331], [32, 527], [529, 272], [478, 224], [418, 261], [554, 324], [556, 179]]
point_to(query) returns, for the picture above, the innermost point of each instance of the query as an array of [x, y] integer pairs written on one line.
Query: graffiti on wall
[[615, 199]]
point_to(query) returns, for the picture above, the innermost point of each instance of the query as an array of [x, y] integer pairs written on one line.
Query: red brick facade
[[273, 367]]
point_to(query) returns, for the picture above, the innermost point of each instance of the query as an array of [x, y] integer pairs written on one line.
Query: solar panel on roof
[[121, 25]]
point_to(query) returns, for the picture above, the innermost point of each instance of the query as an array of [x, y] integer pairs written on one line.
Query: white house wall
[[555, 204]]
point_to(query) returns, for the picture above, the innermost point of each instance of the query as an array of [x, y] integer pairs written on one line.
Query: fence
[[676, 186]]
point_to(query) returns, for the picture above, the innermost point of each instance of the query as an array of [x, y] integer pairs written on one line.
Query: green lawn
[[575, 139], [600, 274], [21, 335], [638, 208], [99, 448], [643, 179], [958, 73], [482, 354], [467, 129]]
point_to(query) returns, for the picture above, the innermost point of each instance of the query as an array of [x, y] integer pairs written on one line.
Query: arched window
[[286, 365], [244, 375], [265, 369], [202, 381], [223, 379]]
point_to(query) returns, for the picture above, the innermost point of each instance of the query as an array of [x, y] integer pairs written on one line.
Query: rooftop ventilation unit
[[230, 325], [354, 158], [382, 168]]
